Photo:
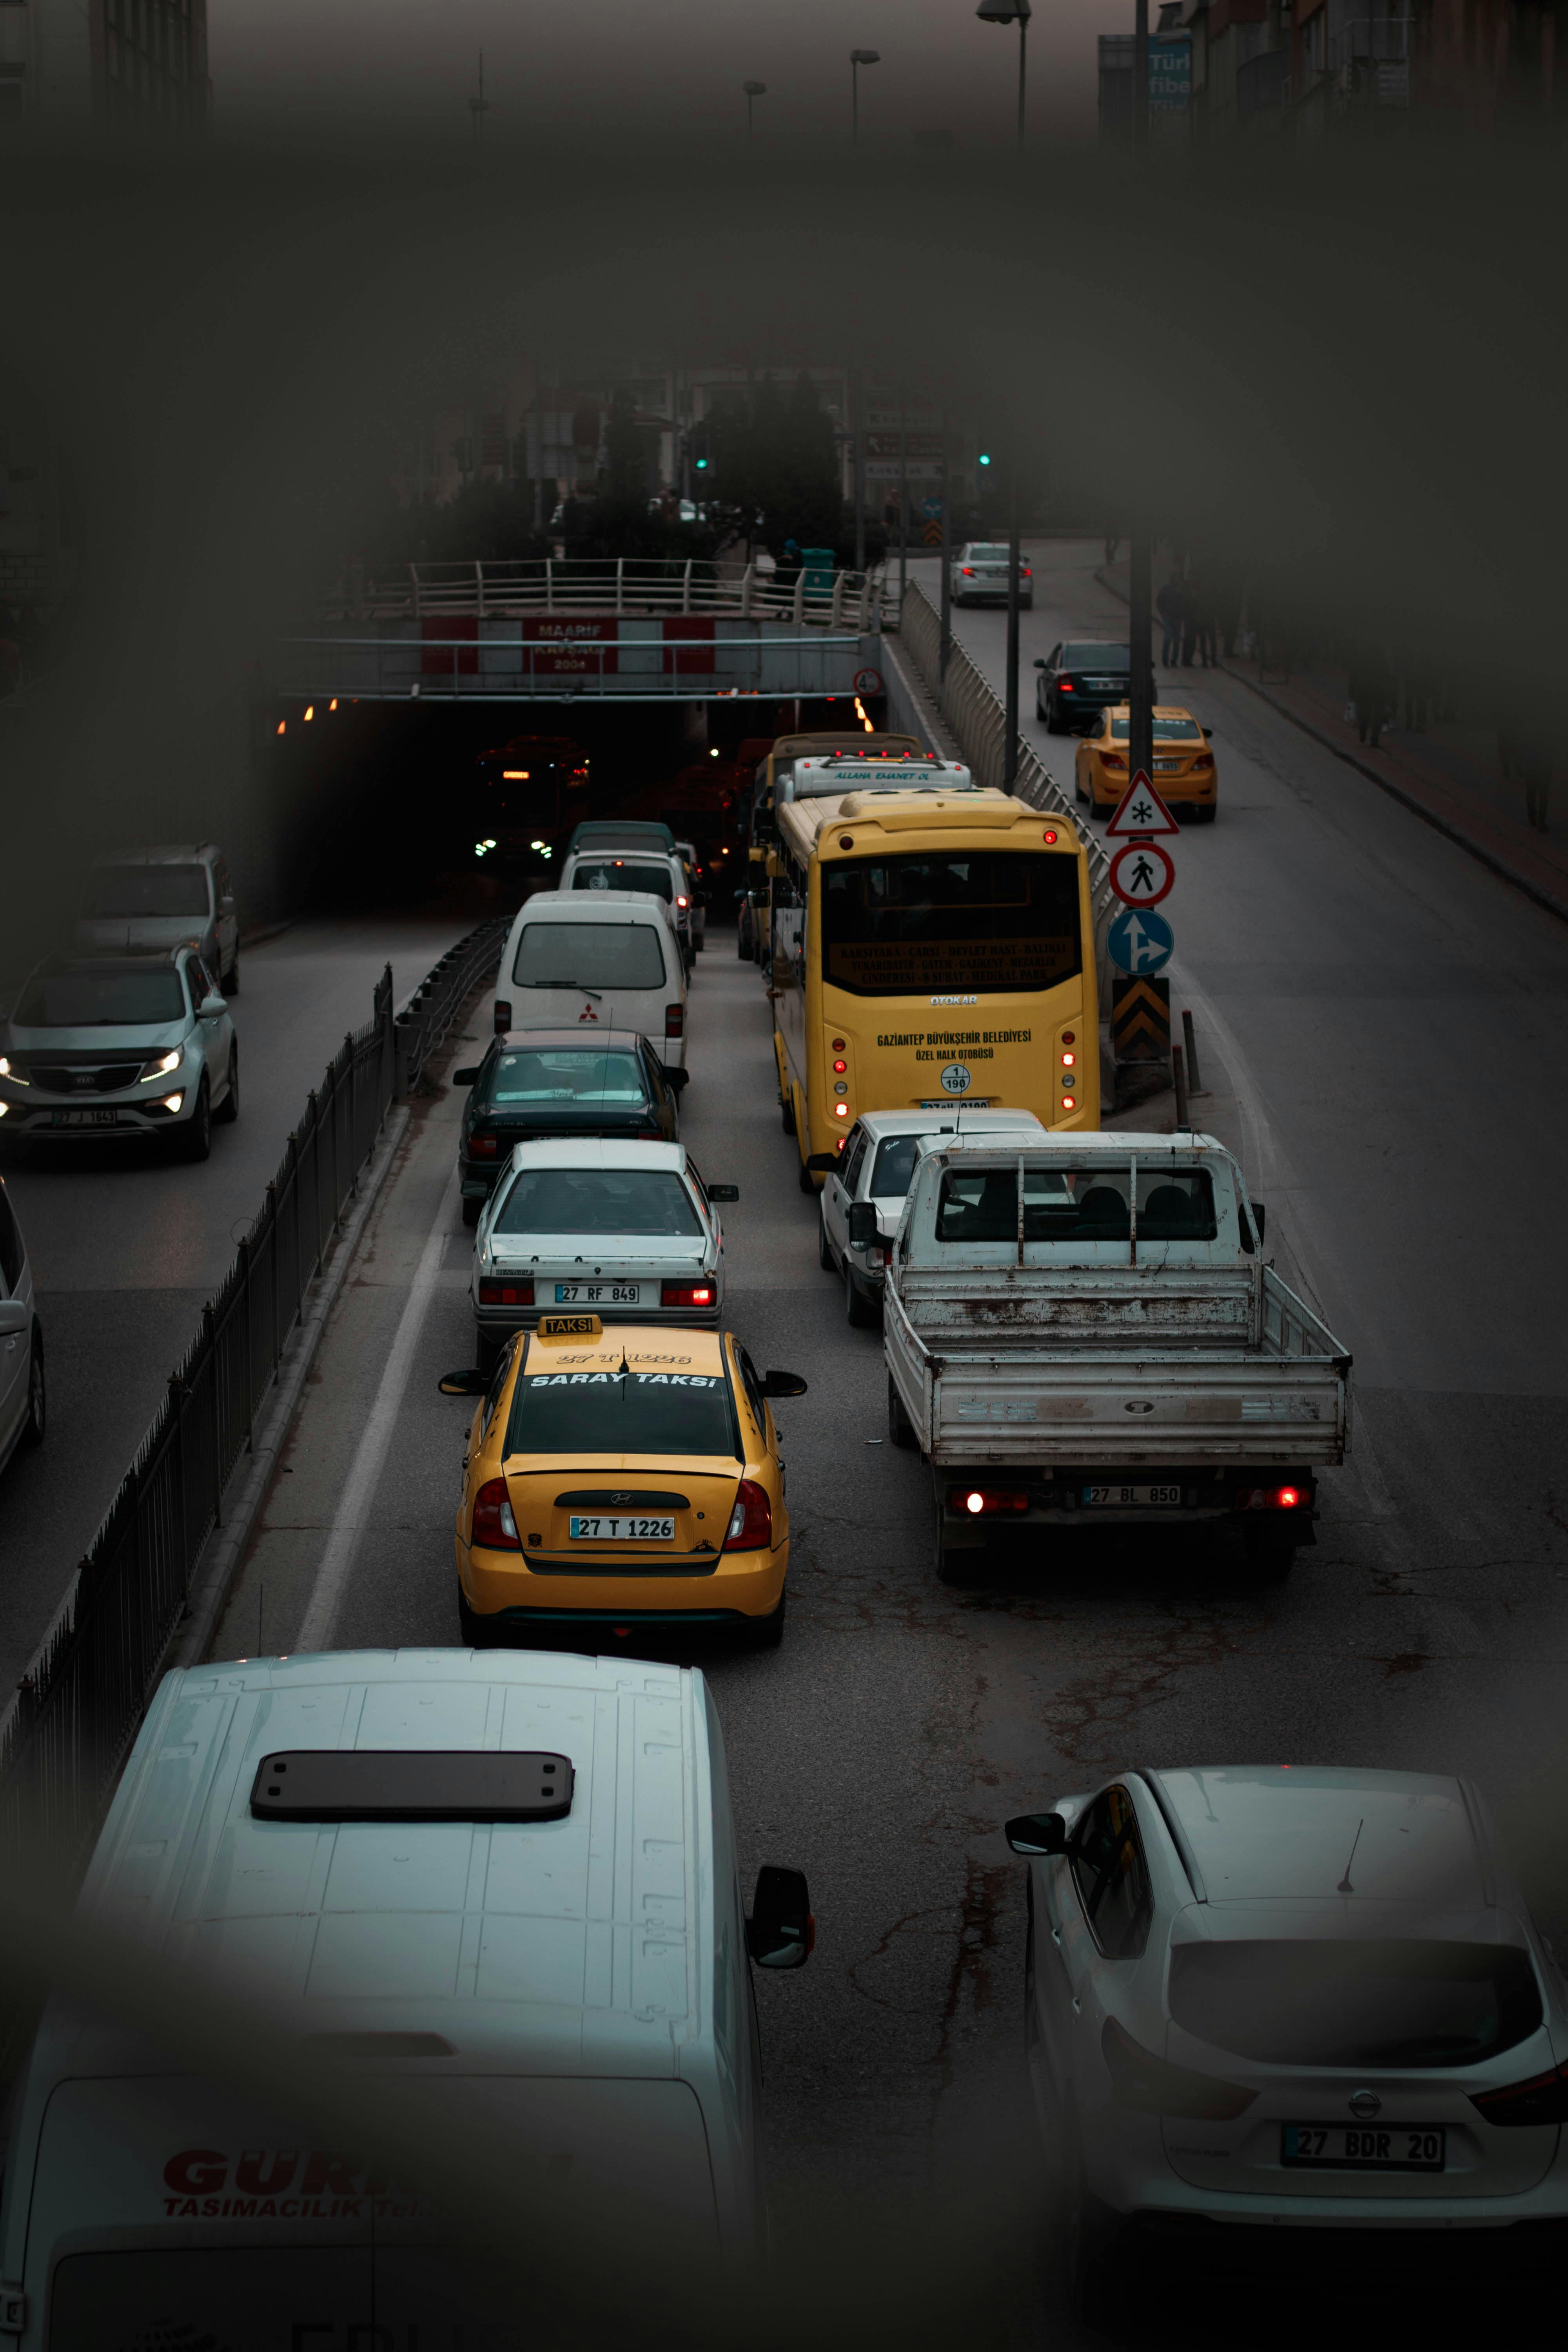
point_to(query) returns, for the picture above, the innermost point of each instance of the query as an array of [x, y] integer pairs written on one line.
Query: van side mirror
[[723, 1191], [823, 1164], [1037, 1833], [864, 1228], [13, 1317], [469, 1384], [674, 1079], [783, 1384], [781, 1931], [467, 1077], [226, 904]]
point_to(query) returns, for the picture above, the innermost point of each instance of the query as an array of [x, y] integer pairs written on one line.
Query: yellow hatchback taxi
[[1185, 773], [617, 1479]]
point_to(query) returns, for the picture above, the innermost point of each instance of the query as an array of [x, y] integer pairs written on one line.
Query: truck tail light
[[503, 1017], [751, 1521], [674, 1020], [687, 1293], [1268, 1498], [493, 1525], [483, 1147], [506, 1294], [1543, 2099], [985, 1502], [1142, 2080]]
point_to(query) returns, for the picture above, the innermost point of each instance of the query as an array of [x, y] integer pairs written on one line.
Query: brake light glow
[[483, 1147], [687, 1293], [985, 1502], [674, 1020], [1050, 838], [968, 570], [840, 1068], [1069, 1102], [1064, 685], [1542, 2099], [1268, 1498], [682, 902], [1142, 2080], [1067, 1061], [840, 1110], [751, 1521], [506, 1294], [493, 1525]]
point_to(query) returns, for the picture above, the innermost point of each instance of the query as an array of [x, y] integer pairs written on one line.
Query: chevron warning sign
[[1140, 1020]]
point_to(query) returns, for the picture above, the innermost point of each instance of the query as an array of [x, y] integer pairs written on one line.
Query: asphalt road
[[1383, 1013], [127, 1246]]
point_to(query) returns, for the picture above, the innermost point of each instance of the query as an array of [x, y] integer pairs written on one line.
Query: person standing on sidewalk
[[1372, 691], [1171, 606], [1200, 620]]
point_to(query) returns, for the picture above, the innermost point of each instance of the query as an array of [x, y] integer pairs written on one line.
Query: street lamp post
[[858, 57], [754, 89], [1141, 552], [1010, 12]]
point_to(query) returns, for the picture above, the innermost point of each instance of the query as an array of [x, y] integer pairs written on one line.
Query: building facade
[[1306, 67], [117, 64]]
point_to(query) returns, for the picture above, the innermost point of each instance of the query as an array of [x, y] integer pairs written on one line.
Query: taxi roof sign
[[553, 1328]]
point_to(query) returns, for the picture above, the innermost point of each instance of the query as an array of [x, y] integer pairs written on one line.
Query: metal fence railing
[[808, 662], [613, 585], [978, 717], [75, 1712]]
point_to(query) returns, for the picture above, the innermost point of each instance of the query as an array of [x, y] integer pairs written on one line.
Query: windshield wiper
[[597, 995]]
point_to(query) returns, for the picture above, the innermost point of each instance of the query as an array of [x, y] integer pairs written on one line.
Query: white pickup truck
[[1085, 1331]]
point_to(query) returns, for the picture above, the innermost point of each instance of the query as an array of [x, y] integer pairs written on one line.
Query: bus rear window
[[954, 923]]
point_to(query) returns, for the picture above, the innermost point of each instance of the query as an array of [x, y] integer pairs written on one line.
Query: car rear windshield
[[131, 890], [621, 874], [1074, 1204], [987, 554], [1385, 2002], [599, 1200], [955, 922], [588, 955], [1084, 657], [556, 1410], [1166, 730], [567, 1077], [120, 999]]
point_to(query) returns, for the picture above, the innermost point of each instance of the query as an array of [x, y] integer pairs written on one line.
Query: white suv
[[175, 897]]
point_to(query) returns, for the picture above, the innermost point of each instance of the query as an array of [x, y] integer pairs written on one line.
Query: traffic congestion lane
[[901, 1723], [128, 1246]]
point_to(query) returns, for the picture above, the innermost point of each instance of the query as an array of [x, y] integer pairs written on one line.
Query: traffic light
[[984, 458], [702, 453]]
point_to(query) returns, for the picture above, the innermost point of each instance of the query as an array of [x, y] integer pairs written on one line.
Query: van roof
[[571, 1943], [575, 906], [610, 828]]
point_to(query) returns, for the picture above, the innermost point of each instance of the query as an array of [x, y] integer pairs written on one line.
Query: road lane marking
[[375, 1439]]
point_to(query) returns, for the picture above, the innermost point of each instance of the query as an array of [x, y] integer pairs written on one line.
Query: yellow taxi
[[1185, 773], [617, 1479]]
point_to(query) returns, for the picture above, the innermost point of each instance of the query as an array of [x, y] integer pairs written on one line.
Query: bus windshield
[[951, 922]]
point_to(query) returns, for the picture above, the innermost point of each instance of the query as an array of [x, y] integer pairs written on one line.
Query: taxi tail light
[[503, 1017], [1113, 760], [494, 1525], [506, 1294], [751, 1521], [1270, 1498], [687, 1293], [1141, 2080], [1542, 2099], [674, 1020], [483, 1147], [1204, 760], [985, 1502]]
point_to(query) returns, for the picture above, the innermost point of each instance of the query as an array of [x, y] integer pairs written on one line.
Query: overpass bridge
[[566, 629]]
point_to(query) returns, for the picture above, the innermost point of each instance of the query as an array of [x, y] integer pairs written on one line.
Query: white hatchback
[[625, 1231], [1300, 1995]]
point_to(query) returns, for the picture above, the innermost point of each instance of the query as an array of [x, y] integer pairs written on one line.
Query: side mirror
[[469, 1384], [723, 1191], [226, 904], [864, 1228], [467, 1077], [211, 1006], [823, 1164], [674, 1079], [781, 1931], [783, 1384], [13, 1317], [1039, 665], [1261, 1216], [1037, 1833]]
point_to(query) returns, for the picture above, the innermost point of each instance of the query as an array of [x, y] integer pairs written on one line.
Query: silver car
[[874, 1167], [22, 1395], [625, 1231], [1298, 1995], [111, 1048], [977, 575], [175, 897]]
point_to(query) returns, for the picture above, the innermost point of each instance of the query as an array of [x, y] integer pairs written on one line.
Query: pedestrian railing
[[621, 585], [76, 1710], [978, 717]]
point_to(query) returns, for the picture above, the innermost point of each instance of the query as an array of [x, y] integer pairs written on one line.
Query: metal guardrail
[[75, 1712], [978, 717], [565, 585]]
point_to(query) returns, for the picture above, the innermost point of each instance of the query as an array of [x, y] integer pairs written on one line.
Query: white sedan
[[978, 572], [1289, 1995], [627, 1232]]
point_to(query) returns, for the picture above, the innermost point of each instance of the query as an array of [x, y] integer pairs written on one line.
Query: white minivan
[[490, 1897], [601, 959]]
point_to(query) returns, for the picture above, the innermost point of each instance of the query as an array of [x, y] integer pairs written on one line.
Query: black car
[[537, 1083], [1076, 680]]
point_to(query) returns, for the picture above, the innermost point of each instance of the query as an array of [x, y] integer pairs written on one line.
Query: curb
[[265, 931], [219, 1567]]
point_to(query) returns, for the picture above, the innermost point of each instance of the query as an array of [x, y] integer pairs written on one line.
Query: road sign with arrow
[[1141, 812], [1139, 941]]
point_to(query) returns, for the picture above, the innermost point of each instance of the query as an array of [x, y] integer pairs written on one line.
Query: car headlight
[[161, 1068], [17, 1077]]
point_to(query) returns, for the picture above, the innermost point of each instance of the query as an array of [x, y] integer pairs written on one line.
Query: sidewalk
[[1449, 776]]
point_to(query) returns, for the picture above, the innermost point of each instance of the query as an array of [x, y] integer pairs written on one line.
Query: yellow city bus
[[929, 949]]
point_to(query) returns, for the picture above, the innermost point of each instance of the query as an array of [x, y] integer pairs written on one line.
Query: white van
[[649, 869], [602, 959], [497, 1890]]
